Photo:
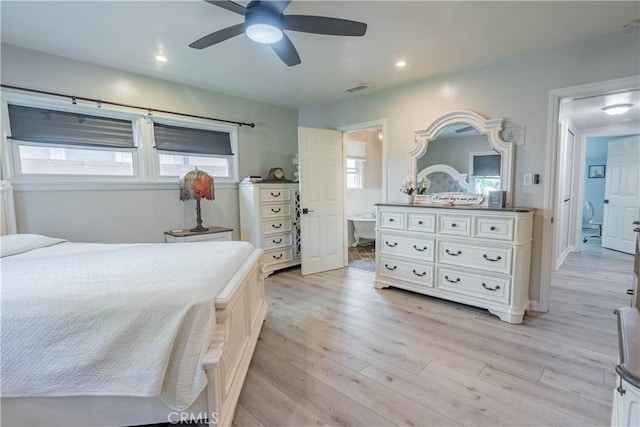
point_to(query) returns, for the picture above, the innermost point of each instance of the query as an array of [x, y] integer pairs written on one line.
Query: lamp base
[[199, 229]]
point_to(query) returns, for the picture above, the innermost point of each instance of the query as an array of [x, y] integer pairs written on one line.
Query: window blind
[[31, 124], [488, 166], [192, 141]]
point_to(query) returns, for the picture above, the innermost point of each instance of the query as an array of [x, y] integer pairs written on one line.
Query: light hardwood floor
[[335, 351]]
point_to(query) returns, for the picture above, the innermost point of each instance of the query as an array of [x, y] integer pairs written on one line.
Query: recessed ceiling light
[[161, 58], [614, 110], [401, 64]]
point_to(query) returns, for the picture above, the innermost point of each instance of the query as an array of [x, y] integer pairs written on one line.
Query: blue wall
[[594, 187]]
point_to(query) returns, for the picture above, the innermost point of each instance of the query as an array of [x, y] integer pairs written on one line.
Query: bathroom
[[363, 164]]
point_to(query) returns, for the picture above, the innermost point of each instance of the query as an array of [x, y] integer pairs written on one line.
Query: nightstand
[[220, 234]]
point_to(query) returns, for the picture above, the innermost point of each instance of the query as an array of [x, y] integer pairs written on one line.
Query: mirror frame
[[489, 127]]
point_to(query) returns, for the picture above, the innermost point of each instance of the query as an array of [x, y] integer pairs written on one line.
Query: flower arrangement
[[409, 189]]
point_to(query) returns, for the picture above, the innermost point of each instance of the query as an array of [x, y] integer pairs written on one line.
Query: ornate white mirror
[[463, 152]]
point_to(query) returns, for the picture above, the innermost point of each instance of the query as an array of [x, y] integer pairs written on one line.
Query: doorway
[[576, 114], [364, 187]]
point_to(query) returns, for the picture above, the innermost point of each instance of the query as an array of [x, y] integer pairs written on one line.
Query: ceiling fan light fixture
[[614, 110], [264, 33]]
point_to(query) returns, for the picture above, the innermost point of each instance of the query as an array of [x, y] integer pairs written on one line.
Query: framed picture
[[596, 171]]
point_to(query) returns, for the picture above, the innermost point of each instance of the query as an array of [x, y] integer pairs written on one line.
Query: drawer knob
[[392, 220], [424, 248], [275, 194], [420, 222], [390, 268], [277, 241], [452, 254], [492, 228], [451, 281], [391, 245], [276, 226], [454, 225], [484, 285], [277, 256], [419, 274], [496, 259], [275, 210]]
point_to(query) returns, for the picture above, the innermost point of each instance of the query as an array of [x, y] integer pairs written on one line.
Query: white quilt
[[81, 319]]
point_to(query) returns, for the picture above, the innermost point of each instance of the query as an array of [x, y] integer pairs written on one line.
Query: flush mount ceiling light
[[614, 110], [401, 64], [161, 58]]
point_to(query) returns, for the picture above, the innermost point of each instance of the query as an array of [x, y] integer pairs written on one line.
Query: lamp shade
[[196, 185]]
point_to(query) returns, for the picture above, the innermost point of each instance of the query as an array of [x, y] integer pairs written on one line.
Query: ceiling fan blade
[[218, 36], [324, 25], [229, 5], [286, 51]]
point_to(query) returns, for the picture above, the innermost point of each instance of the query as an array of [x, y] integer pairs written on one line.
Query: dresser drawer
[[276, 226], [454, 224], [275, 194], [415, 272], [280, 255], [422, 222], [276, 241], [276, 210], [494, 228], [414, 247], [391, 219], [485, 286], [480, 255]]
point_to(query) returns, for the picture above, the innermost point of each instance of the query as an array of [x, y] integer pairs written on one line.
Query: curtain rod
[[118, 104]]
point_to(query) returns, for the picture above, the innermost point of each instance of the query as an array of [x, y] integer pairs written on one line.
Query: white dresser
[[270, 219], [476, 256]]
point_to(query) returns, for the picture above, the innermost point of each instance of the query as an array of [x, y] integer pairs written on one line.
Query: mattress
[[82, 319]]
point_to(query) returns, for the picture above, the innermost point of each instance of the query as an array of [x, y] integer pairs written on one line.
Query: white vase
[[408, 198]]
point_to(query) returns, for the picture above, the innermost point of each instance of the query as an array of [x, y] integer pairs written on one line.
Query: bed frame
[[240, 312]]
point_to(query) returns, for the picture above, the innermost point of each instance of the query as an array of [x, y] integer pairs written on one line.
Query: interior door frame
[[565, 126], [382, 124], [551, 171]]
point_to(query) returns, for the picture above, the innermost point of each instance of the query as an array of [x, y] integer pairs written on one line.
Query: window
[[485, 171], [181, 149], [51, 142], [354, 173]]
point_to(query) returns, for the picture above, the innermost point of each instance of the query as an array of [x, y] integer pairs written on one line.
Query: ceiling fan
[[265, 23]]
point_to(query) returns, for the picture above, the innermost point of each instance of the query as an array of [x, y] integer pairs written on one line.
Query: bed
[[126, 334]]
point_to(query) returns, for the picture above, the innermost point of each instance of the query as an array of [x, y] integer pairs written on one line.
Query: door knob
[[566, 200], [605, 201], [306, 211]]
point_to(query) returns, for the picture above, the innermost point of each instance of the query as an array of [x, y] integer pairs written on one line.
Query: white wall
[[516, 88], [143, 215]]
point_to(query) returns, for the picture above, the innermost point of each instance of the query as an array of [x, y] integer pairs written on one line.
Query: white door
[[565, 175], [322, 198], [622, 201]]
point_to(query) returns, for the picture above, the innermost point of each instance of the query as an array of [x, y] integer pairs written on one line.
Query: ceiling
[[435, 38], [586, 113]]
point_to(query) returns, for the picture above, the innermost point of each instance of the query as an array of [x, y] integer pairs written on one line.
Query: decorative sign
[[449, 199]]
